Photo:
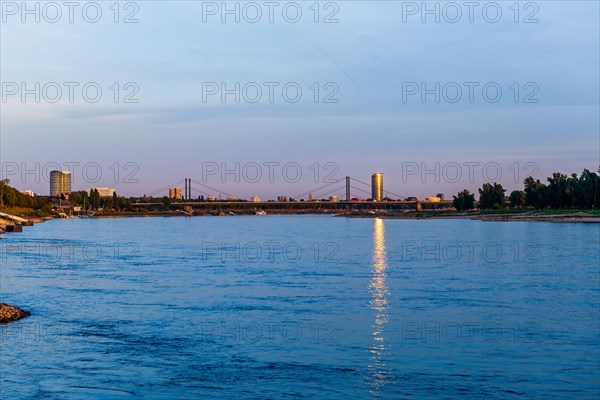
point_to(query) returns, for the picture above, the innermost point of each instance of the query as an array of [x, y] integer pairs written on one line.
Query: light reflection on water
[[378, 369]]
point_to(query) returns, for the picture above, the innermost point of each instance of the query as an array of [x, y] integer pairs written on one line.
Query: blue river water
[[279, 307]]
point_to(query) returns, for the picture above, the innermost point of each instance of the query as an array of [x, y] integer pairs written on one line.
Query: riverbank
[[213, 213], [504, 215], [10, 313], [15, 224], [501, 215], [531, 216], [580, 217]]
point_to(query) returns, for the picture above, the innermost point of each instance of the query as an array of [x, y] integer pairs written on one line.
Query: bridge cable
[[317, 189]]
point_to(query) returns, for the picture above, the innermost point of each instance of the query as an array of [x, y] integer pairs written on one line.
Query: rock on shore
[[10, 313], [3, 224]]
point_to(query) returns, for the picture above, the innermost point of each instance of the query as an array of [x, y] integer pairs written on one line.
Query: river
[[301, 306]]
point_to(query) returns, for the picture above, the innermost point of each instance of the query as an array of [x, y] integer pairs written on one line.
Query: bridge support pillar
[[347, 188]]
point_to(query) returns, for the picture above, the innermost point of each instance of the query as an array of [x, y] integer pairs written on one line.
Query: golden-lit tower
[[60, 183], [377, 186]]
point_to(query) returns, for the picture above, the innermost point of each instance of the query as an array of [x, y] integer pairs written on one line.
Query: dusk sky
[[374, 53]]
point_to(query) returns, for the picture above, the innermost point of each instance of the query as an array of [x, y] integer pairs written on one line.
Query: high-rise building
[[175, 193], [377, 186], [60, 183]]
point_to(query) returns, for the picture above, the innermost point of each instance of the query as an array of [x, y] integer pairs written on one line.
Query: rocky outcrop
[[3, 224], [10, 313], [9, 226]]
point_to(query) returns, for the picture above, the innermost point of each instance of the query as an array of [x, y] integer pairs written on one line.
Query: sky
[[489, 93]]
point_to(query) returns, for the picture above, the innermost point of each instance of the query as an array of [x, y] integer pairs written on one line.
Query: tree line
[[560, 191], [11, 197], [93, 200]]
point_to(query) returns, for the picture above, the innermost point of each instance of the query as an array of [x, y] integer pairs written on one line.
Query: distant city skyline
[[374, 57], [429, 180], [271, 191]]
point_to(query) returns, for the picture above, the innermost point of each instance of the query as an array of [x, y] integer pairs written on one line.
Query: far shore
[[524, 215], [529, 216], [566, 217]]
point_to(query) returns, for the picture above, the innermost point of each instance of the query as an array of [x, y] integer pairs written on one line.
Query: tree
[[94, 199], [85, 200], [492, 196], [517, 198], [535, 193], [11, 197], [3, 183], [464, 201], [586, 193], [124, 203], [558, 191], [115, 200]]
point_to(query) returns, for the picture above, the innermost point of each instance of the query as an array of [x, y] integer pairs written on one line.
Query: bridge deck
[[299, 205]]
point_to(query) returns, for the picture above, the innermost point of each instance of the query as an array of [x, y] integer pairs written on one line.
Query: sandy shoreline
[[588, 218], [534, 217], [580, 217]]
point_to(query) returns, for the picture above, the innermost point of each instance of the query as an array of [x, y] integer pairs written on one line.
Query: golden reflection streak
[[379, 304]]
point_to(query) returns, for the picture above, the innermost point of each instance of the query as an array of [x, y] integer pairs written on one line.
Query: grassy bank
[[25, 212]]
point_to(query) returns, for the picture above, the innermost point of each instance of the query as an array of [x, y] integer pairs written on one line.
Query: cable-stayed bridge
[[349, 192], [353, 189]]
